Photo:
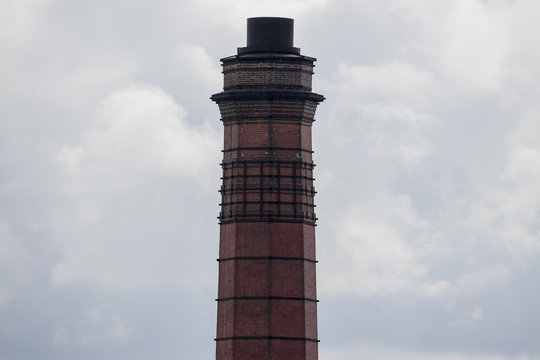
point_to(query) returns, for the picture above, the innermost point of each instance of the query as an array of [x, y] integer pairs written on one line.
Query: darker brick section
[[267, 307], [282, 73]]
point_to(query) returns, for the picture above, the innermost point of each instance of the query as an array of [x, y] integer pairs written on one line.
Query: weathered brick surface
[[311, 351], [267, 294], [287, 278], [224, 349], [288, 349], [227, 244], [226, 317], [252, 277], [274, 73], [287, 318], [227, 279], [310, 320], [245, 349], [252, 317], [309, 288], [236, 111]]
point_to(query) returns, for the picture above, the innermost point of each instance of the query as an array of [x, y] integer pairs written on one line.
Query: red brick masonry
[[267, 299]]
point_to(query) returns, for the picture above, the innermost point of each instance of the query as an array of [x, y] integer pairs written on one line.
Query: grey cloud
[[427, 156]]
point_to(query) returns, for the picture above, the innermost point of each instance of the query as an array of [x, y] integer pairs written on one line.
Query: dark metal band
[[283, 218], [253, 94], [267, 298], [266, 258], [270, 175], [268, 202], [266, 338], [300, 190], [295, 163], [270, 56], [271, 218]]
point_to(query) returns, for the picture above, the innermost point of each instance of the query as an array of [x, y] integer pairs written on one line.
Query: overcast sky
[[428, 173]]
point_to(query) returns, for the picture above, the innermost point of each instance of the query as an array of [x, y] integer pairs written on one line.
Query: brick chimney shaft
[[267, 301]]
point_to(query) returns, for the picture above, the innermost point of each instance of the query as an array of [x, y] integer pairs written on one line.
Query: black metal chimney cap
[[269, 34]]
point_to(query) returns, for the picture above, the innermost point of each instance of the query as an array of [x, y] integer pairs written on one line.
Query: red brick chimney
[[267, 300]]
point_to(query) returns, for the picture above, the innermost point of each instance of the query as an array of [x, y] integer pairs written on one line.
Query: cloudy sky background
[[428, 155]]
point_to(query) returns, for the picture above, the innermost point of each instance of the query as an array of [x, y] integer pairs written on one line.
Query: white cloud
[[61, 335], [507, 212], [9, 187], [234, 12], [525, 52], [476, 44], [429, 136], [418, 11], [86, 77], [5, 296], [118, 330], [94, 326], [394, 80], [466, 284], [202, 67], [477, 214], [394, 130], [373, 352], [374, 253], [139, 145], [140, 133], [15, 264], [477, 314], [384, 108], [383, 247], [18, 20]]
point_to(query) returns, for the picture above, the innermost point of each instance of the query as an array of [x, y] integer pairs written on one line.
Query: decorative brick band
[[272, 148], [266, 338], [266, 68], [255, 86]]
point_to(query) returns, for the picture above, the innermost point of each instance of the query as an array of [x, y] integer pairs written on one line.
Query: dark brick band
[[243, 69], [272, 148]]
